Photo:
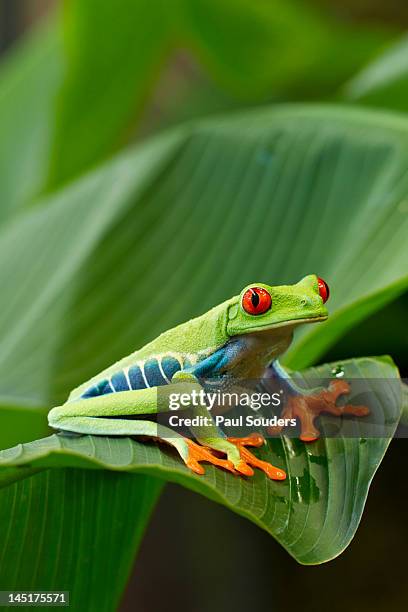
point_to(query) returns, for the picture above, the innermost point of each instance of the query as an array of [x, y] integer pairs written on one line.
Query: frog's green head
[[261, 307]]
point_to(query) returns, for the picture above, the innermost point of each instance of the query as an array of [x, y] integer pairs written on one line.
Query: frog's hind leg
[[191, 452], [238, 460], [85, 416]]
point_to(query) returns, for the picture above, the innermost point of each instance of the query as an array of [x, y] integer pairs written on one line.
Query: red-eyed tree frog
[[239, 339]]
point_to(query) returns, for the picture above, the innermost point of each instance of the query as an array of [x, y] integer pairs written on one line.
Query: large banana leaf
[[185, 221], [108, 77], [76, 531], [246, 46], [313, 514], [292, 191], [29, 80]]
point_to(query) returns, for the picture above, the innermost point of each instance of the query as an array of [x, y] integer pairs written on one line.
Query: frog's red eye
[[256, 301], [323, 289]]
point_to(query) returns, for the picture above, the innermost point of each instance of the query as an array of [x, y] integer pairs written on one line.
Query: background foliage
[[84, 234]]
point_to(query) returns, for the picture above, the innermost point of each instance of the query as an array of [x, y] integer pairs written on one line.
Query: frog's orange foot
[[197, 453], [248, 459], [307, 407]]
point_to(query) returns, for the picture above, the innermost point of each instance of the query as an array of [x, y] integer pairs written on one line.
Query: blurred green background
[[195, 554]]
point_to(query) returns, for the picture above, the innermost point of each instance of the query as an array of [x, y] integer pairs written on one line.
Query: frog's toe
[[243, 468], [248, 460], [359, 411], [197, 453]]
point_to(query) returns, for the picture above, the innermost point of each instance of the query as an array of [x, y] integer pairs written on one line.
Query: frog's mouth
[[307, 319], [292, 323]]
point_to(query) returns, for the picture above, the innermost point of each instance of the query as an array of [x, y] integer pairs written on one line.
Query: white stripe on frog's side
[[126, 373], [159, 361], [189, 359], [185, 361], [182, 358], [142, 370]]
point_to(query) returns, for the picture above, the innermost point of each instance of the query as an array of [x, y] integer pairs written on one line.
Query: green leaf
[[313, 514], [185, 221], [35, 322], [107, 79], [270, 48], [76, 531], [384, 81], [29, 80], [255, 50], [88, 548], [269, 195], [253, 56]]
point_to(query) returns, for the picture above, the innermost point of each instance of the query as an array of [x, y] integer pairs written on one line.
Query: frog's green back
[[194, 338]]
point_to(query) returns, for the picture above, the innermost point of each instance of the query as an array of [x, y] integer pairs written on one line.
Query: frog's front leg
[[306, 407], [236, 450], [210, 438], [242, 458]]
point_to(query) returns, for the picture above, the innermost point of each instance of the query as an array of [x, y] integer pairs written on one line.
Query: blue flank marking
[[136, 378], [213, 364], [170, 366], [119, 382], [153, 375], [101, 388]]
